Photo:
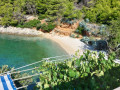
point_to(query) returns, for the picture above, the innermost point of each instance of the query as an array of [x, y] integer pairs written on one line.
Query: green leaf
[[78, 62], [54, 73], [61, 76], [71, 73], [54, 78], [49, 76], [65, 77], [46, 85], [85, 74], [77, 74], [39, 84], [88, 70], [101, 73], [69, 63]]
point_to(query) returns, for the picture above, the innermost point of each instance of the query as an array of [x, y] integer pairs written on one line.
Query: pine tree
[[6, 13], [54, 9], [103, 11], [114, 36]]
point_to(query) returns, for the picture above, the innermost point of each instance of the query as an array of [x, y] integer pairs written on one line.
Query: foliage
[[68, 21], [51, 26], [103, 11], [46, 27], [5, 68], [85, 39], [29, 24], [70, 11], [114, 34], [90, 71], [73, 35], [82, 27], [54, 9], [79, 30], [38, 26], [41, 17], [11, 12], [102, 29], [87, 20]]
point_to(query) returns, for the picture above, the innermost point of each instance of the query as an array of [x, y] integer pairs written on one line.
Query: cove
[[16, 51]]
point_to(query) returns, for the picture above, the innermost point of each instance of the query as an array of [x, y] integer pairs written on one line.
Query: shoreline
[[70, 45], [20, 31]]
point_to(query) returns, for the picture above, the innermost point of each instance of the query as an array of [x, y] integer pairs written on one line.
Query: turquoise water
[[17, 51]]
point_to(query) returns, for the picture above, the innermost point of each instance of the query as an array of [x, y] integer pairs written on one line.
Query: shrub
[[79, 30], [68, 21], [94, 33], [92, 70], [41, 17], [87, 29], [102, 29], [77, 36], [48, 20], [82, 24], [38, 26], [85, 39], [96, 13], [29, 24], [20, 25], [51, 26], [82, 28], [87, 20], [114, 34], [46, 27]]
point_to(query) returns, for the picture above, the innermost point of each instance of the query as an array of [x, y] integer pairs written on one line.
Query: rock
[[20, 31], [86, 33]]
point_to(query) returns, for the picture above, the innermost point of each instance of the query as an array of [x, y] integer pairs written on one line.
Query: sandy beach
[[70, 45]]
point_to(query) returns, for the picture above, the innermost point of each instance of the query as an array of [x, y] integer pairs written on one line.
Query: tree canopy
[[103, 11], [12, 11]]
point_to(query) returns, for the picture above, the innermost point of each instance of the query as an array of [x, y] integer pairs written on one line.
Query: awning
[[6, 83]]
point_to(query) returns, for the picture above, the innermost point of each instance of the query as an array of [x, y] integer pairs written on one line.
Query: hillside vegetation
[[55, 12], [101, 11], [87, 72], [13, 11], [91, 71]]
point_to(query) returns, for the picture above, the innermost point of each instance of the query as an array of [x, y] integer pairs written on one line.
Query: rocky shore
[[20, 31]]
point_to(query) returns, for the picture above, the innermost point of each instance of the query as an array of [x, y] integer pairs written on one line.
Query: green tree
[[54, 9], [70, 11], [103, 11], [114, 34], [114, 30], [6, 14], [11, 12]]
